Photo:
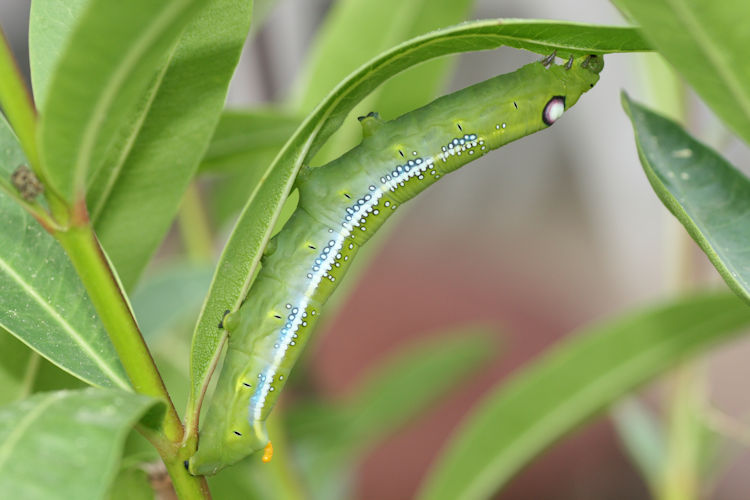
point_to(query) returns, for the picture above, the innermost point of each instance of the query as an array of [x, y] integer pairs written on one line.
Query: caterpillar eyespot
[[271, 327], [553, 109]]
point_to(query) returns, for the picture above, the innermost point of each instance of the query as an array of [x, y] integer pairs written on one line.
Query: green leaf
[[51, 23], [18, 366], [404, 385], [66, 444], [131, 484], [355, 32], [568, 385], [330, 437], [243, 146], [134, 201], [642, 438], [705, 43], [386, 399], [166, 298], [707, 195], [112, 55], [43, 301], [242, 253], [243, 134]]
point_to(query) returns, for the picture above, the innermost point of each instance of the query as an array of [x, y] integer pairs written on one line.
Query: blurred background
[[530, 243]]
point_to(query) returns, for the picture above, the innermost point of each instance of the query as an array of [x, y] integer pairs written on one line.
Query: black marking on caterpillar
[[264, 346]]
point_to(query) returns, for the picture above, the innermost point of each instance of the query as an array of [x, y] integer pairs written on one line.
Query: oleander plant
[[165, 258]]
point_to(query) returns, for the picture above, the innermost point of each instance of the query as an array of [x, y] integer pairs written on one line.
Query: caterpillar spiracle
[[341, 205]]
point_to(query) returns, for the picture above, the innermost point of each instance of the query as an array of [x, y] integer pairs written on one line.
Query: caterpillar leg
[[549, 59]]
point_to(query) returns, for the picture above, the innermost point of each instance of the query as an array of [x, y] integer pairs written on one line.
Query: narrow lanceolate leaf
[[355, 32], [708, 196], [244, 144], [51, 23], [567, 386], [642, 438], [42, 300], [386, 399], [243, 134], [67, 444], [708, 46], [18, 367], [329, 436], [111, 56], [134, 200], [240, 257]]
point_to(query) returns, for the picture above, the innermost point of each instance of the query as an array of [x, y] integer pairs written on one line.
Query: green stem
[[17, 104], [187, 486], [104, 289], [32, 369], [92, 266], [194, 227], [681, 475]]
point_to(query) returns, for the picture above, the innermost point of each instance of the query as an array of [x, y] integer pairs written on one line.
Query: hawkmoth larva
[[340, 205]]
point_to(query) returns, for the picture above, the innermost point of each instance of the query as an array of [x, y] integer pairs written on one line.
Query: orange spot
[[267, 453]]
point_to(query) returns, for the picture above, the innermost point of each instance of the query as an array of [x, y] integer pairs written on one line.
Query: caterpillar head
[[581, 75]]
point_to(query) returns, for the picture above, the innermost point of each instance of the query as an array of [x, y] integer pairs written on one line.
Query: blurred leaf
[[240, 258], [706, 194], [241, 135], [707, 45], [395, 391], [169, 296], [244, 480], [358, 30], [355, 31], [51, 23], [261, 10], [111, 56], [66, 444], [23, 372], [51, 378], [407, 383], [571, 383], [642, 437], [681, 475], [244, 144], [43, 301], [330, 438], [131, 484], [17, 368], [134, 201]]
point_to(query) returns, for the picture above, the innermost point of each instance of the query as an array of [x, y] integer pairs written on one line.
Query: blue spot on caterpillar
[[340, 205]]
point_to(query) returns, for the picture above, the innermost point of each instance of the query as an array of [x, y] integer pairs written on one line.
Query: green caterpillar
[[341, 205]]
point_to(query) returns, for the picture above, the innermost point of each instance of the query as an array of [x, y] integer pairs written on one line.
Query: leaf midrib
[[68, 328], [111, 90], [603, 385], [7, 447]]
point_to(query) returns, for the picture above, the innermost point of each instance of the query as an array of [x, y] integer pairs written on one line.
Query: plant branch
[[17, 104], [83, 248]]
